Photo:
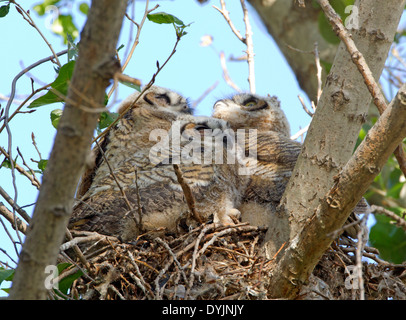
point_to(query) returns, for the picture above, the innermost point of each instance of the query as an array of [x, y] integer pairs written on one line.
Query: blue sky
[[191, 71]]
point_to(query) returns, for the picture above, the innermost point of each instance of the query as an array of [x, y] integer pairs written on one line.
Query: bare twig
[[226, 16], [190, 199], [28, 18], [14, 221], [311, 114], [137, 36], [362, 241], [400, 222], [33, 93], [130, 207], [318, 67], [247, 40], [226, 75], [250, 48], [78, 252], [300, 132], [204, 95], [135, 43], [15, 206], [34, 181]]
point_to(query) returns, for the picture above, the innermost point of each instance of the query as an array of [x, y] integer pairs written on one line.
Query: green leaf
[[55, 117], [84, 8], [63, 26], [106, 119], [60, 85], [120, 47], [7, 163], [41, 8], [164, 18], [388, 239], [66, 283], [131, 85], [4, 10], [73, 50], [325, 29], [42, 164], [6, 274]]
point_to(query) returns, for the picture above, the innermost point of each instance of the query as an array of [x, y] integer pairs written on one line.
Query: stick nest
[[216, 263]]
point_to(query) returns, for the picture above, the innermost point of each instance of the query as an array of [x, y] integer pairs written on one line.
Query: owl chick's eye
[[250, 103], [164, 98]]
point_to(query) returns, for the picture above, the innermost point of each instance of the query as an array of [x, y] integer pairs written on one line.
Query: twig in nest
[[190, 199]]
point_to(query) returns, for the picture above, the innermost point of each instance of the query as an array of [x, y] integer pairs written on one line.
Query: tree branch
[[328, 146], [307, 247], [360, 62], [94, 69]]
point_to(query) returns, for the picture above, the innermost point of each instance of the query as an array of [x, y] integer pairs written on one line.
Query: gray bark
[[332, 136], [94, 69]]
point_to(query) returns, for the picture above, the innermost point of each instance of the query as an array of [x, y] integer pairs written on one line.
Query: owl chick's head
[[250, 111], [158, 98], [198, 139]]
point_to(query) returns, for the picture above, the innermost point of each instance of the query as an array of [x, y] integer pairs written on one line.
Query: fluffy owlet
[[276, 153], [134, 187], [276, 158]]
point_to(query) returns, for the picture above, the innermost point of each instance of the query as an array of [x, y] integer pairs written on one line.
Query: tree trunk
[[94, 69], [330, 141], [293, 27]]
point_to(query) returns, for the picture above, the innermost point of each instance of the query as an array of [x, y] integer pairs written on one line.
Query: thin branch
[[319, 70], [14, 221], [300, 133], [15, 206], [137, 36], [7, 110], [362, 241], [204, 95], [190, 199], [115, 178], [34, 181], [311, 114], [28, 18], [250, 48], [33, 93], [226, 75], [226, 16], [400, 222], [136, 41], [247, 40]]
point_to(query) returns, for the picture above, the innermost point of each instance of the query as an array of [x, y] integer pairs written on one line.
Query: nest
[[215, 263]]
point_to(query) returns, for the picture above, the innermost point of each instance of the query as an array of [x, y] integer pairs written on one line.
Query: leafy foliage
[[166, 18], [389, 239], [59, 88], [6, 275]]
